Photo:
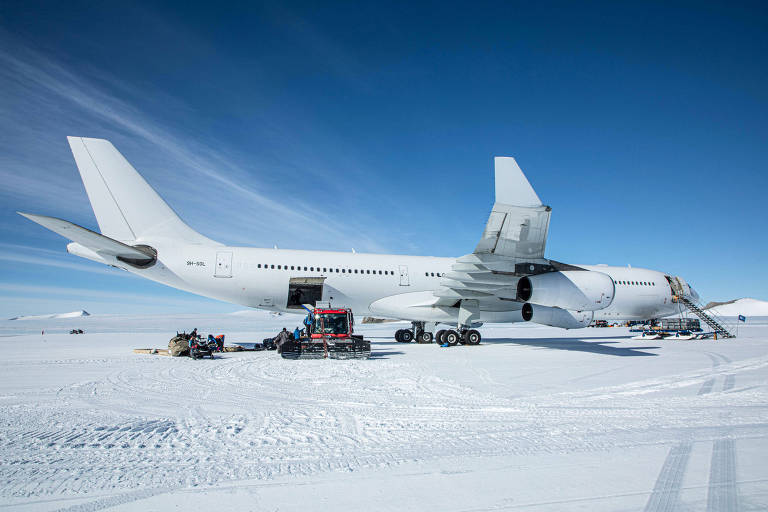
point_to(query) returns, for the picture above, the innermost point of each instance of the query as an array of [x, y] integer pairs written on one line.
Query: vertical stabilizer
[[126, 207]]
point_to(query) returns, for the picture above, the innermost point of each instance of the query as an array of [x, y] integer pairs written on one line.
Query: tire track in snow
[[722, 495], [113, 501], [666, 492]]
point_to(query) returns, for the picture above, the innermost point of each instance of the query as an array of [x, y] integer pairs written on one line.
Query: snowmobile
[[330, 335], [199, 348]]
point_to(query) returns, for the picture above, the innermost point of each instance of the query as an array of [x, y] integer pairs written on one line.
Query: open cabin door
[[304, 290]]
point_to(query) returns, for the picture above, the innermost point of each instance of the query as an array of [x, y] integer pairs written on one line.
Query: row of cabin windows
[[635, 283], [433, 274], [327, 270]]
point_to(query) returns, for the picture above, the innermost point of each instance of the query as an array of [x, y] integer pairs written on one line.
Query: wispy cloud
[[201, 172], [41, 291], [29, 255]]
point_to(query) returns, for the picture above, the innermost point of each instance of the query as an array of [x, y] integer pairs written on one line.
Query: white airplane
[[505, 279]]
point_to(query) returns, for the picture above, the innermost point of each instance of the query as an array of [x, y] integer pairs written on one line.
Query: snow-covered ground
[[534, 418], [747, 307]]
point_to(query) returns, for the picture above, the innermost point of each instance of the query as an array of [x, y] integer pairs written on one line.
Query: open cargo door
[[304, 290]]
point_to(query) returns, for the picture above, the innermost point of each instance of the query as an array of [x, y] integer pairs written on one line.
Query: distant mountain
[[73, 314], [746, 307]]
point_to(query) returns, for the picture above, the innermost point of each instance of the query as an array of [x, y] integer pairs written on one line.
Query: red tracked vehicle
[[331, 335]]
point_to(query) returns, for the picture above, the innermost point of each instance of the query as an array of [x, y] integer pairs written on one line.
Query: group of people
[[297, 334], [195, 337]]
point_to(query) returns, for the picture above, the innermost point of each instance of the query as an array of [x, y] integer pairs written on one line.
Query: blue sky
[[643, 126]]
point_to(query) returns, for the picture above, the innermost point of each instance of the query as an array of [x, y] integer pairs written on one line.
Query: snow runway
[[535, 418]]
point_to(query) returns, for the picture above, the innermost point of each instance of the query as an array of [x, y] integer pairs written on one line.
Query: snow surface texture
[[535, 418], [746, 307]]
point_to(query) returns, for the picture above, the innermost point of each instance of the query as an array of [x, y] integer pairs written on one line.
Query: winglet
[[512, 186]]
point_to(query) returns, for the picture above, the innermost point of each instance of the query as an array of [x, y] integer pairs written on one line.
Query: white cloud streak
[[28, 255], [198, 171]]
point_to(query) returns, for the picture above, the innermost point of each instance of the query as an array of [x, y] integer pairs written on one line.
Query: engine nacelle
[[556, 317], [575, 290]]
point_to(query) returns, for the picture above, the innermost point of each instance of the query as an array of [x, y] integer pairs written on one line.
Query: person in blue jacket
[[296, 333], [308, 324]]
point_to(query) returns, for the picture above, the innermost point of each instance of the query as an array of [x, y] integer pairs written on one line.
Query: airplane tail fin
[[126, 207]]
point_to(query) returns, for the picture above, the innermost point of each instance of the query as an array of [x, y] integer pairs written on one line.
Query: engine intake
[[573, 290]]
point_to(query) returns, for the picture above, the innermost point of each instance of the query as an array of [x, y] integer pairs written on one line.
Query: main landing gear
[[452, 337]]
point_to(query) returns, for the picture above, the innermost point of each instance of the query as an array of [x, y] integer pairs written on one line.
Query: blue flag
[[742, 318]]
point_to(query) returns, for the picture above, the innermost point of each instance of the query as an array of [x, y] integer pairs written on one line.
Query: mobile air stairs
[[682, 294]]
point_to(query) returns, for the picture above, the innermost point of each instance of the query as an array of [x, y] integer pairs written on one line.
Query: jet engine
[[576, 290], [556, 317]]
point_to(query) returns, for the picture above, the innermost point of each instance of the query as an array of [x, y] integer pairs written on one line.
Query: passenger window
[[272, 266], [311, 269], [259, 265], [367, 271], [343, 271]]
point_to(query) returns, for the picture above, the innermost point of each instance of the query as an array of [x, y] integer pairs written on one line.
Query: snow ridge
[[73, 314]]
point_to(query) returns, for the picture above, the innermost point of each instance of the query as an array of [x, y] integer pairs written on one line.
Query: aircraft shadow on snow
[[579, 345], [382, 354]]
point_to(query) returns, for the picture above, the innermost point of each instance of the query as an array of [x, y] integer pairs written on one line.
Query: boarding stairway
[[715, 324]]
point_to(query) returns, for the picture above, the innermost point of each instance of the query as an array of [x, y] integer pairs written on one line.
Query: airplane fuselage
[[260, 278]]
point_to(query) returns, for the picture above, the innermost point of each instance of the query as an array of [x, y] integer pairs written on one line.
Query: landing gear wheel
[[426, 337], [472, 337], [398, 337], [439, 336], [406, 336], [451, 338]]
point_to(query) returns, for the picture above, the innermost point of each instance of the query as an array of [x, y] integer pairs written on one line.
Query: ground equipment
[[199, 348], [328, 334]]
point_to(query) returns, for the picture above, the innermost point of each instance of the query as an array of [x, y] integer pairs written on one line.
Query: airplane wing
[[512, 245], [102, 245]]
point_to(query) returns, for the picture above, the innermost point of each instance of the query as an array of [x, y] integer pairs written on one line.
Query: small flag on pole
[[742, 318]]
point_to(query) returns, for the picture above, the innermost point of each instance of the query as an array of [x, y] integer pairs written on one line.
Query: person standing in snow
[[296, 333], [308, 324], [281, 338]]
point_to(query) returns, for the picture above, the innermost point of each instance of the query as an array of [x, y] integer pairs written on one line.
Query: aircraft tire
[[472, 337], [451, 337], [398, 338], [427, 337], [439, 336], [406, 336]]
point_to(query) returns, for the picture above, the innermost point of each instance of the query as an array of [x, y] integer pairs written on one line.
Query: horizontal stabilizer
[[138, 256]]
